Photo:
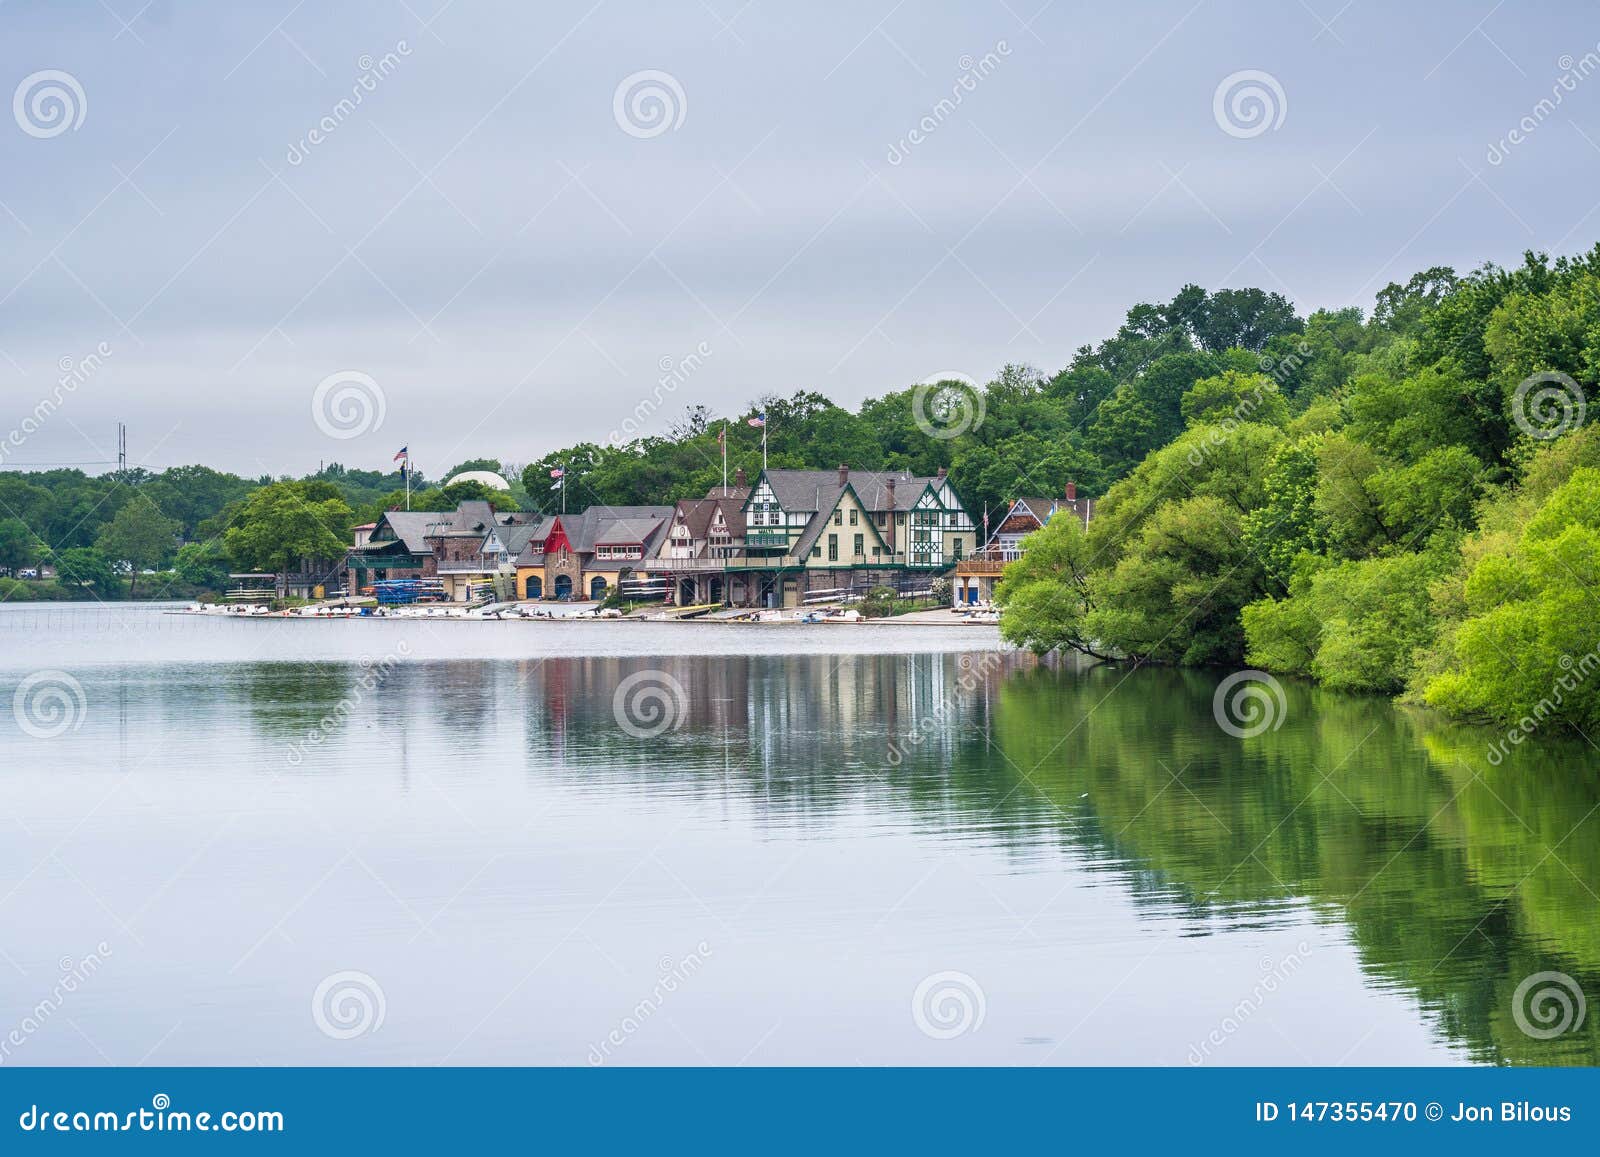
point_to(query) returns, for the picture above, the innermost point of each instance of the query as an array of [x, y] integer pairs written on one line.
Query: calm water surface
[[874, 845]]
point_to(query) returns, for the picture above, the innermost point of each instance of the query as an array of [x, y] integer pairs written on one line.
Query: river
[[379, 842]]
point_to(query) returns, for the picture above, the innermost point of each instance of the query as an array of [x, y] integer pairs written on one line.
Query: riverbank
[[76, 635], [539, 612]]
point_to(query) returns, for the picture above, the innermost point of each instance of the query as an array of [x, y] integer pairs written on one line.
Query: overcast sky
[[511, 249]]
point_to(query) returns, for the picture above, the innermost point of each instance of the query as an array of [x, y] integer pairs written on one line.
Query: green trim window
[[838, 518], [860, 550], [833, 548], [855, 517]]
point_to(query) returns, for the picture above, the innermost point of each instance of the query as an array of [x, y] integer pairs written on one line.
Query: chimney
[[941, 475], [844, 474], [1072, 492], [739, 478]]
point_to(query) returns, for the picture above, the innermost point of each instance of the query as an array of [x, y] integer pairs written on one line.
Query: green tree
[[85, 568], [472, 490], [1354, 626], [1526, 649], [139, 536], [18, 545], [1285, 526], [1235, 397], [285, 522], [1176, 593], [1044, 595], [202, 564]]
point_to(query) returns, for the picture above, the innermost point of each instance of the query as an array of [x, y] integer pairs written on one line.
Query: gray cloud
[[481, 236]]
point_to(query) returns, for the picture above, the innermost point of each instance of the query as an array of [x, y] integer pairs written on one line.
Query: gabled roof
[[801, 490], [474, 517], [597, 524], [699, 514], [517, 536], [411, 527], [820, 522], [624, 531], [1041, 510], [696, 515]]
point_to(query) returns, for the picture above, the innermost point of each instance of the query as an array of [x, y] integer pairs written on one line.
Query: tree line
[[1413, 508]]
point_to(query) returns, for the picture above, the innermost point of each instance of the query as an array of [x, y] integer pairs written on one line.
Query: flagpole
[[724, 441], [763, 445], [407, 464]]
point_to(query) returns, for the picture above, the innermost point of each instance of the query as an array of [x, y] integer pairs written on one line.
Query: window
[[838, 518], [854, 516], [833, 548], [816, 552], [878, 518], [958, 549], [860, 548], [877, 552], [900, 519]]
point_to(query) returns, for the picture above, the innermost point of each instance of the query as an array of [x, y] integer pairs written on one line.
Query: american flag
[[405, 452], [758, 421], [558, 472]]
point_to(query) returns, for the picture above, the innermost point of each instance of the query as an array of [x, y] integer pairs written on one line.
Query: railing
[[655, 565], [766, 538], [385, 561], [470, 564]]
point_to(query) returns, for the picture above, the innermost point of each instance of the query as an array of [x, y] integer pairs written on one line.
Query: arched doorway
[[686, 592], [563, 586], [535, 587], [597, 587]]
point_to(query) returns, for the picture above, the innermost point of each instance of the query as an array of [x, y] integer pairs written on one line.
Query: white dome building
[[487, 477]]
